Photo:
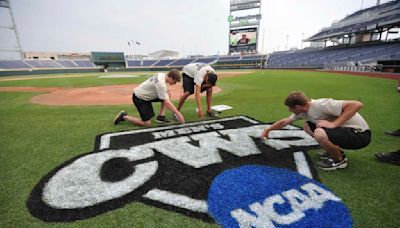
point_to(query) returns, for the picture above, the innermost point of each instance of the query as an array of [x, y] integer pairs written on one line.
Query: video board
[[243, 40]]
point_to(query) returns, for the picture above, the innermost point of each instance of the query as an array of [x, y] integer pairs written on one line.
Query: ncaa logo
[[263, 196], [171, 167]]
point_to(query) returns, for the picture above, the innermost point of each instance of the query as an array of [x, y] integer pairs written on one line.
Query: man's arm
[[349, 109], [171, 107], [277, 125], [197, 96], [209, 98]]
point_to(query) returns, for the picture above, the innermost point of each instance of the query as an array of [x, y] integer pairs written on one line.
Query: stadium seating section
[[168, 62], [45, 64], [316, 58], [386, 14], [13, 64]]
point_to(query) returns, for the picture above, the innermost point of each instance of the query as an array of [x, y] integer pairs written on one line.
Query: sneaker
[[392, 157], [394, 133], [120, 117], [162, 119], [330, 164], [212, 114], [323, 155]]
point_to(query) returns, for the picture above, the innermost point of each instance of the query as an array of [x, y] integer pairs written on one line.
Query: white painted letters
[[266, 216]]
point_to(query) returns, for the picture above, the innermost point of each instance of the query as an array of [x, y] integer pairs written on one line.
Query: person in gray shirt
[[154, 89], [334, 124]]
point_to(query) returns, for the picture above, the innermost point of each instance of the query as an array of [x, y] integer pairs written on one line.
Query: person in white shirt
[[334, 124], [197, 78], [154, 89]]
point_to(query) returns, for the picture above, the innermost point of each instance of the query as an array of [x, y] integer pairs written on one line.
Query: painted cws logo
[[170, 167]]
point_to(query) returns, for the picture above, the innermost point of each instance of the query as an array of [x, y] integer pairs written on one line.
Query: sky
[[193, 27]]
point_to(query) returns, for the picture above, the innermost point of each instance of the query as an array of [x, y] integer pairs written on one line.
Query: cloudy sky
[[189, 27]]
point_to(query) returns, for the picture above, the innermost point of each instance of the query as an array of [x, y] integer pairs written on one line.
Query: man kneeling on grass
[[334, 124], [153, 89]]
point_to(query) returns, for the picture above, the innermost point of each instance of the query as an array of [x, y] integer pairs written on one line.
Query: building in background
[[164, 54]]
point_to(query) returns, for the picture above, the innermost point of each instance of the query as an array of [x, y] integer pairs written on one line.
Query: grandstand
[[168, 63], [182, 62], [358, 43], [44, 64], [318, 58], [247, 61], [380, 18]]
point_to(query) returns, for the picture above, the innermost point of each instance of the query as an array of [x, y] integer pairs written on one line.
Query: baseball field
[[36, 138]]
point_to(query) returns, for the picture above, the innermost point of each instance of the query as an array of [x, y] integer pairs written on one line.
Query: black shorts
[[188, 84], [346, 138], [145, 108]]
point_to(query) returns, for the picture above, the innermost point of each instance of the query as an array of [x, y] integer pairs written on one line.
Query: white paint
[[266, 216], [177, 200], [275, 139], [240, 143], [105, 139], [187, 130], [78, 185], [221, 108], [301, 164], [181, 150]]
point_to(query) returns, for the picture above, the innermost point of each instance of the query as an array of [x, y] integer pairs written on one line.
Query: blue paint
[[242, 187]]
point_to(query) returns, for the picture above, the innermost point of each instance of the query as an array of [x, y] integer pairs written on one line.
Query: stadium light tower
[[5, 4], [244, 26]]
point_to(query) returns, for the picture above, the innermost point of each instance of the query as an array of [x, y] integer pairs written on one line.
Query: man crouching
[[334, 124], [153, 89]]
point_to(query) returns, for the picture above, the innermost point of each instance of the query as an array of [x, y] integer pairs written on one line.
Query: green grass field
[[36, 138]]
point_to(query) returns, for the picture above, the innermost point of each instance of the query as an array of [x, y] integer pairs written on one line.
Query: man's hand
[[200, 113], [264, 134], [326, 124]]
